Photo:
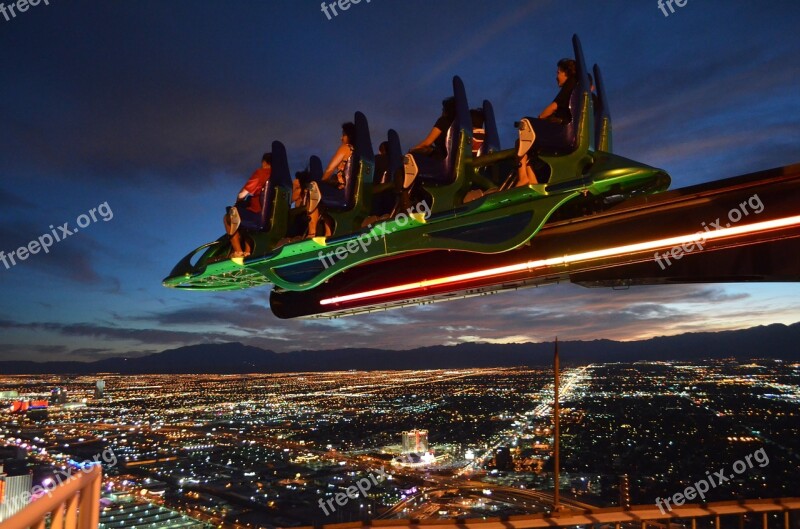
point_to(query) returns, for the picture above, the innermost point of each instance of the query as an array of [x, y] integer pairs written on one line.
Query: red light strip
[[567, 259]]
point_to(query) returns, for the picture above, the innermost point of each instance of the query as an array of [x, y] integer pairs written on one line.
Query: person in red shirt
[[248, 205]]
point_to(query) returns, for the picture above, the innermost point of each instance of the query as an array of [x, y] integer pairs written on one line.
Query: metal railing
[[642, 516], [75, 504]]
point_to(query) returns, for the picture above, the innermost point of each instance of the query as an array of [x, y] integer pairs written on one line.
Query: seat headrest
[[363, 144], [315, 168], [582, 89], [491, 139], [394, 152], [280, 177], [461, 123], [602, 113], [362, 151]]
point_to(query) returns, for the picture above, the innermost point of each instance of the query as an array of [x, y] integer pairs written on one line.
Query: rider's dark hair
[[304, 177], [568, 67], [476, 115], [349, 130], [267, 158], [449, 107]]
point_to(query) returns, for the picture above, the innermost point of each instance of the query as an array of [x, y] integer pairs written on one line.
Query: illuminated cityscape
[[271, 450]]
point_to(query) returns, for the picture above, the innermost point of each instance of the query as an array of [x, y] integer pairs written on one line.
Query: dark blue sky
[[162, 109]]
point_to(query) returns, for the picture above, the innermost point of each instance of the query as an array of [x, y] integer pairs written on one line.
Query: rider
[[551, 121], [248, 206], [300, 188], [426, 157], [434, 144], [382, 164], [334, 179]]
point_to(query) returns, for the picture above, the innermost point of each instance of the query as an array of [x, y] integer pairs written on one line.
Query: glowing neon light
[[567, 259]]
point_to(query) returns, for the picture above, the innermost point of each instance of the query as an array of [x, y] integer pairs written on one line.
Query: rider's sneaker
[[410, 170], [526, 137]]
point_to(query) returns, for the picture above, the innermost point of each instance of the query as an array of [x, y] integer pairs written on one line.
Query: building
[[99, 389], [415, 442], [58, 396], [140, 515], [14, 493], [503, 459], [27, 406]]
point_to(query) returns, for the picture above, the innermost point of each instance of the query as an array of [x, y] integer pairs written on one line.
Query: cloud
[[245, 316], [44, 349], [31, 352], [124, 334], [483, 339], [71, 258], [530, 315]]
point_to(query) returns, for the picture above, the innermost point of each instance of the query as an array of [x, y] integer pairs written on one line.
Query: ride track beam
[[741, 229]]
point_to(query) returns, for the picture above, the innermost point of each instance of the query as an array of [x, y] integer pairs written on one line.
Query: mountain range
[[777, 341]]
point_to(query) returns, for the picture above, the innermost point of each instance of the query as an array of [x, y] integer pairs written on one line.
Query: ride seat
[[487, 179], [447, 173], [440, 170], [335, 198], [315, 168], [298, 215], [391, 163], [263, 221], [395, 159], [345, 199], [491, 139], [602, 115], [385, 194], [348, 207], [553, 139], [280, 178], [566, 149]]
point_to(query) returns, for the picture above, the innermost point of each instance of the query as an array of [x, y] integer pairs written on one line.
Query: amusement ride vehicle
[[466, 207]]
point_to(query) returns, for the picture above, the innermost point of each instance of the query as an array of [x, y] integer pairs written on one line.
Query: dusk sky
[[162, 109]]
